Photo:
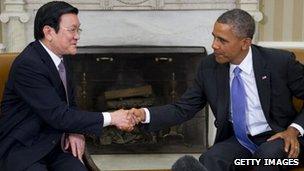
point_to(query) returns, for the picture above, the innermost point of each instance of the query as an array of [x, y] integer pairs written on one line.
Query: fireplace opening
[[108, 78]]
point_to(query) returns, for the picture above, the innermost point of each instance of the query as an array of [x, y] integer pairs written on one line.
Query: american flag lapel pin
[[264, 77]]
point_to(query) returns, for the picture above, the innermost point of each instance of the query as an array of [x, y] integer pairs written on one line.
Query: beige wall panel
[[303, 22], [287, 21], [297, 20], [1, 6], [268, 19], [283, 20], [278, 24], [261, 23]]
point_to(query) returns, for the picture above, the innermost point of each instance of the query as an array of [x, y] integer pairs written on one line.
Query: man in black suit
[[40, 126], [249, 89]]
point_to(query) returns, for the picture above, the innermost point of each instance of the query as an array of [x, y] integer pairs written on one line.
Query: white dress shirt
[[255, 118], [56, 59]]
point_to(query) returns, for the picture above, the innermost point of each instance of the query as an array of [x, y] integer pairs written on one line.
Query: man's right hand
[[123, 120], [139, 114]]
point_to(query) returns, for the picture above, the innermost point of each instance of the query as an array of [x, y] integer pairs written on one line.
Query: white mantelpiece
[[128, 22], [144, 4]]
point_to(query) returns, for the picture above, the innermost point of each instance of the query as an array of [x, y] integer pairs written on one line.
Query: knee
[[206, 155], [187, 163], [271, 149], [210, 155]]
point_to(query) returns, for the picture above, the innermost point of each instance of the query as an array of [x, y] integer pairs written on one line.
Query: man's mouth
[[74, 43], [217, 54]]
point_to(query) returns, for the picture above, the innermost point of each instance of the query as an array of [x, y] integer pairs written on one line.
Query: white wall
[[177, 28]]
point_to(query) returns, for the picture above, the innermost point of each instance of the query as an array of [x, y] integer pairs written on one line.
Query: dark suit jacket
[[278, 76], [34, 110]]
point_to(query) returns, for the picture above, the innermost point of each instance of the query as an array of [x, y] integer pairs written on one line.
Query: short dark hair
[[188, 163], [49, 14], [242, 23]]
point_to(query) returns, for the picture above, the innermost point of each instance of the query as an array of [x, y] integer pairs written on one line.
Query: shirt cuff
[[147, 116], [298, 127], [106, 119]]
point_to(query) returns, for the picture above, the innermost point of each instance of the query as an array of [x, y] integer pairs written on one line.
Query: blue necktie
[[239, 106]]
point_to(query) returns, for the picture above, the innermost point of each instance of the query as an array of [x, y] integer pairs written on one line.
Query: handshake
[[125, 120]]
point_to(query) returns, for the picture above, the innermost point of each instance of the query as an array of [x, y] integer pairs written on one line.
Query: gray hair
[[242, 23]]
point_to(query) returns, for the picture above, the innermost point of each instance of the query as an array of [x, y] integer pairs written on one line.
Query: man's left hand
[[290, 137], [76, 142]]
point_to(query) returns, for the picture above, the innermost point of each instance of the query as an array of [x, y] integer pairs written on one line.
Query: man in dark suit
[[40, 126], [249, 89]]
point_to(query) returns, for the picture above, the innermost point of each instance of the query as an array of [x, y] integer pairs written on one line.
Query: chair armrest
[[88, 161]]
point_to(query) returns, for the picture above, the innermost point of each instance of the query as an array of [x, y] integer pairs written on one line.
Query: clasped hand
[[125, 120]]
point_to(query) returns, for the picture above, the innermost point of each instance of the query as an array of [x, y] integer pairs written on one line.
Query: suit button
[[53, 142]]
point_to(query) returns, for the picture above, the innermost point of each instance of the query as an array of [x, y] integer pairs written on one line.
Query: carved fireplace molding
[[152, 4], [16, 14], [18, 6]]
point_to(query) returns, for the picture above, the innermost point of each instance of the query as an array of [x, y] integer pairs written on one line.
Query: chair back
[[6, 60], [298, 103]]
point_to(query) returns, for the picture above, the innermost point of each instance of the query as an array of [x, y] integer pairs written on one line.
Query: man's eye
[[223, 40]]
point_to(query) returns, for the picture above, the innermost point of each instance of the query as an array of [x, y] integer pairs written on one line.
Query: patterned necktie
[[62, 75], [239, 106]]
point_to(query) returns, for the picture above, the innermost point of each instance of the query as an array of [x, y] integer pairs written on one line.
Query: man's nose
[[215, 45], [77, 36]]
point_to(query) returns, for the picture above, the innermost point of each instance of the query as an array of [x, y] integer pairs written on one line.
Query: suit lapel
[[223, 89], [262, 78], [54, 74]]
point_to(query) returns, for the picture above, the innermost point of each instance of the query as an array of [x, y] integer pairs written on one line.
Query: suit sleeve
[[296, 84], [192, 101], [33, 84]]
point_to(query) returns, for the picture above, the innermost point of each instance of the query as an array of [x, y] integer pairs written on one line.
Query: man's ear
[[246, 43], [47, 31]]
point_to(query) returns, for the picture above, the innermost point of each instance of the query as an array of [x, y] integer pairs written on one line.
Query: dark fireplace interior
[[108, 78]]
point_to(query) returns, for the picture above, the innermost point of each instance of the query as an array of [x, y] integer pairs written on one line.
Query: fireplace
[[112, 77]]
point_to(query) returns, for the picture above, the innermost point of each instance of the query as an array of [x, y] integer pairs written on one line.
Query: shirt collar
[[246, 65], [56, 59]]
